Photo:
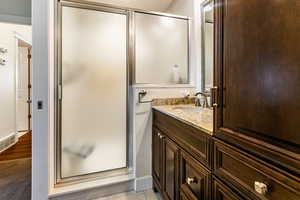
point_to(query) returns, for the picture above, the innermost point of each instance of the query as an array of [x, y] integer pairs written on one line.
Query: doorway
[[23, 87]]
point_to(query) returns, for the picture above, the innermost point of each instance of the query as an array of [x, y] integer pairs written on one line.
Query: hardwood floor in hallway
[[15, 179]]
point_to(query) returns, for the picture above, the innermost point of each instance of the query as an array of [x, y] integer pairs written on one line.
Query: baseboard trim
[[8, 141], [97, 192], [143, 183]]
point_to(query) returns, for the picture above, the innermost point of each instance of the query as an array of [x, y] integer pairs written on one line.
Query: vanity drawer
[[252, 177], [195, 179], [191, 139], [222, 192]]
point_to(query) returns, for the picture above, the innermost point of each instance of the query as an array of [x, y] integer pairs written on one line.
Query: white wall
[[8, 76], [15, 11]]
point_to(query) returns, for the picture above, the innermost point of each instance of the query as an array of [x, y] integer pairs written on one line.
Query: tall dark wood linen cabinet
[[257, 120]]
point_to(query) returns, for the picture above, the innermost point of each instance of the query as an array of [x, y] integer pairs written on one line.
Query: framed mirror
[[207, 69]]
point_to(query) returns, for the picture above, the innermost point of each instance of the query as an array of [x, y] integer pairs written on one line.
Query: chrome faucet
[[197, 100]]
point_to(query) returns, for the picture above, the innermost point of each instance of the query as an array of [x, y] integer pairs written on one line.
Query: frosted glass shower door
[[94, 97]]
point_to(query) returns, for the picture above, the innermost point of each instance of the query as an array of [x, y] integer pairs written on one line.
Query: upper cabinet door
[[257, 67]]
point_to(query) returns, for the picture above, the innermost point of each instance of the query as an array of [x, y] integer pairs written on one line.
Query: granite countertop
[[198, 117]]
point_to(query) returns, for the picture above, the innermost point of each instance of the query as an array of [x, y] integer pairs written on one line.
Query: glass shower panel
[[162, 49], [94, 99]]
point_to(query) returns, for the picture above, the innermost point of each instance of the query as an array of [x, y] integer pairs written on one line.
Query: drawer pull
[[190, 180], [160, 135], [260, 188]]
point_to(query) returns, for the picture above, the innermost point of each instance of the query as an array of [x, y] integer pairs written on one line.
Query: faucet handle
[[197, 102]]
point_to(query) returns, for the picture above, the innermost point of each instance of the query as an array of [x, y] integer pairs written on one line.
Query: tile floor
[[146, 195]]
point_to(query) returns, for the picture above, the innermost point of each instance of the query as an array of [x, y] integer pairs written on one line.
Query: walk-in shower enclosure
[[96, 57]]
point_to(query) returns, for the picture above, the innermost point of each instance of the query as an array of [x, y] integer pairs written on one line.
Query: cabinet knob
[[260, 188], [161, 136], [190, 180]]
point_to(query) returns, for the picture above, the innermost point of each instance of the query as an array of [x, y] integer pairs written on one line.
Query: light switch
[[40, 105]]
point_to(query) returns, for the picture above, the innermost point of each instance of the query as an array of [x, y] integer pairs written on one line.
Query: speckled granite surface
[[173, 101], [196, 116]]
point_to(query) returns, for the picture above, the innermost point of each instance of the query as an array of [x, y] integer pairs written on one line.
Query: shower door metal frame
[[59, 180]]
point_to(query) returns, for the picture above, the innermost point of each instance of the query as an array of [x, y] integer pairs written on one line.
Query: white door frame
[[41, 33]]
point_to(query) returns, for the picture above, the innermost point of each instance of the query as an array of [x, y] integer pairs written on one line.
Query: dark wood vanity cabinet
[[257, 72], [179, 174], [192, 139], [178, 170]]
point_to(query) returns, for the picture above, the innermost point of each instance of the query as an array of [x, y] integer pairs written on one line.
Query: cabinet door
[[157, 156], [170, 169], [258, 75], [222, 192]]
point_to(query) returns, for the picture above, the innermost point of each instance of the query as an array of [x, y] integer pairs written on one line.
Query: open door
[[24, 87]]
